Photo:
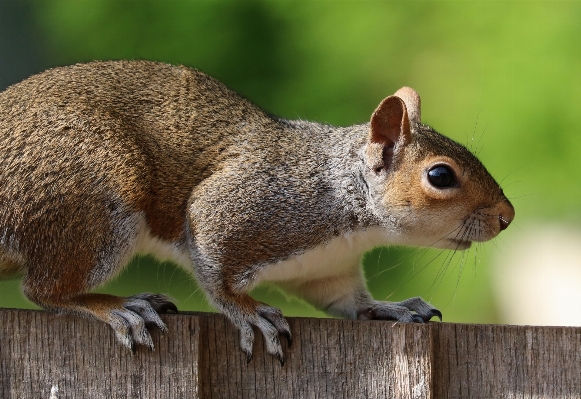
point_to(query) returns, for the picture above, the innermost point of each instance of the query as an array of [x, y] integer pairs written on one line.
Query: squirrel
[[105, 160]]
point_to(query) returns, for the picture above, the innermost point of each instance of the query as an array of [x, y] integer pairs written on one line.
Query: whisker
[[479, 147], [472, 229], [472, 149], [509, 174], [400, 261], [461, 236], [475, 225], [414, 253], [512, 198], [414, 275], [460, 272], [442, 271]]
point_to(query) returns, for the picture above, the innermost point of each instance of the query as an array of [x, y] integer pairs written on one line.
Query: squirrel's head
[[424, 187]]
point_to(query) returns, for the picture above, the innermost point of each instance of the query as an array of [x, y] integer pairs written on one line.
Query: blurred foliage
[[500, 77]]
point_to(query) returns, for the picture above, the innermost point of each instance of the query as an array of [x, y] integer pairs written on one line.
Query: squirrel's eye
[[441, 176]]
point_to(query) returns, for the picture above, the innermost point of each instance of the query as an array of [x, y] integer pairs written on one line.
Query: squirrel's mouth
[[459, 244]]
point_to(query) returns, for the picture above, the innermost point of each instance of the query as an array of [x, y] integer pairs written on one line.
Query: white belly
[[162, 250], [334, 258]]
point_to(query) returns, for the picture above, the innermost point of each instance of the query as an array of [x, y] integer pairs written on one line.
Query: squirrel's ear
[[412, 103], [390, 123], [389, 127]]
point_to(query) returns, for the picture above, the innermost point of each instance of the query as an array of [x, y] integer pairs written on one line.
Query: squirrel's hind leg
[[128, 316], [60, 280]]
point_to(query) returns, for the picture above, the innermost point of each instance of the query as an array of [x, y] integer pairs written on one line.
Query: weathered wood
[[484, 361], [201, 358], [329, 359], [42, 353]]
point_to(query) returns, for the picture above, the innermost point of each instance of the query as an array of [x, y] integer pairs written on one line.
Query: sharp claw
[[289, 338], [248, 358], [280, 359], [432, 313], [437, 313], [168, 306]]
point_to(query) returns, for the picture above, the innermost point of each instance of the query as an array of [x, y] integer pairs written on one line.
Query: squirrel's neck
[[347, 150], [341, 168]]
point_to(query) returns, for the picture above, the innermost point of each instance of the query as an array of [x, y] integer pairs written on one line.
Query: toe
[[277, 320], [422, 308], [246, 340], [271, 340], [158, 302], [122, 330], [144, 309], [139, 333]]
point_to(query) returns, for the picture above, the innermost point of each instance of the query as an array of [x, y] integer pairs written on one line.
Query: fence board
[[484, 361], [42, 353]]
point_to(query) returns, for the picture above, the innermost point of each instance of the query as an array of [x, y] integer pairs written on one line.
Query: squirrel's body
[[104, 160]]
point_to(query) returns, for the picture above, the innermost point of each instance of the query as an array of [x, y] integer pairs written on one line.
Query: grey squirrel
[[103, 160]]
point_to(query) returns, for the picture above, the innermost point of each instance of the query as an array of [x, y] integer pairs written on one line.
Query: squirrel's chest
[[336, 257]]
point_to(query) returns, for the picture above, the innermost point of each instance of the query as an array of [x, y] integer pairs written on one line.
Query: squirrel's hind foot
[[130, 321], [139, 312], [129, 317]]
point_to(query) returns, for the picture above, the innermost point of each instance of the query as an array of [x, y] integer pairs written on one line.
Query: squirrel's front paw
[[270, 322], [411, 310], [139, 311]]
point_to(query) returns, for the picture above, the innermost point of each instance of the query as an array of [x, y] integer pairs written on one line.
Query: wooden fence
[[48, 356]]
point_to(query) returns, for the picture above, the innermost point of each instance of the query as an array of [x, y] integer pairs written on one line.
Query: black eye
[[441, 176]]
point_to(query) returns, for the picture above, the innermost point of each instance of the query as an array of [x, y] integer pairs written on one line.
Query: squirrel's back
[[147, 132]]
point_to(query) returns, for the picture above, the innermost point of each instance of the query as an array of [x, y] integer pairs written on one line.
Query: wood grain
[[329, 359], [42, 353], [484, 361]]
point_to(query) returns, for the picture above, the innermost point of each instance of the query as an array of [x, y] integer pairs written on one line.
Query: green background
[[500, 77]]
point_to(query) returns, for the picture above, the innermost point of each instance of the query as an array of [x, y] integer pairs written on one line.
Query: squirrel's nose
[[505, 213], [503, 223]]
